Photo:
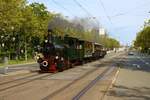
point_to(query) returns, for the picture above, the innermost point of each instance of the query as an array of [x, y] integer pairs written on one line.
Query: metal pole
[[5, 65]]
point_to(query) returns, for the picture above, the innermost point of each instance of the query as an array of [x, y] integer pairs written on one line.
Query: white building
[[102, 31]]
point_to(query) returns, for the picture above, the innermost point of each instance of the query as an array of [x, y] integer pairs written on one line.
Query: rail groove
[[68, 85], [7, 82], [4, 89], [91, 84]]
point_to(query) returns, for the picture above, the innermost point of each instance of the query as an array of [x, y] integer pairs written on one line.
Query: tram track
[[40, 77], [68, 85], [77, 80], [22, 83], [84, 90], [7, 82], [91, 84]]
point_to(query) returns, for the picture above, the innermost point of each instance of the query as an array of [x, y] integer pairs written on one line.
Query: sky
[[121, 18]]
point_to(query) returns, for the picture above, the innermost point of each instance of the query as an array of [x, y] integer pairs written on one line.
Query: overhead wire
[[108, 17], [86, 11], [63, 7], [131, 10]]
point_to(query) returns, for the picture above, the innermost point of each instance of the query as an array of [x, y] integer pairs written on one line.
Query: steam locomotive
[[60, 53]]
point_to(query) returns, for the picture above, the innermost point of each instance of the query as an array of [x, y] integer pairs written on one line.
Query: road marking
[[138, 57], [136, 65], [112, 83], [115, 78], [147, 63]]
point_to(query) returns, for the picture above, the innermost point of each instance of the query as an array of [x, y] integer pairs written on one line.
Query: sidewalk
[[18, 68], [130, 85]]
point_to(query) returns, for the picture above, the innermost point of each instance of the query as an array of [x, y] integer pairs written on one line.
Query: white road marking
[[136, 65], [140, 58], [147, 63], [115, 78], [112, 82]]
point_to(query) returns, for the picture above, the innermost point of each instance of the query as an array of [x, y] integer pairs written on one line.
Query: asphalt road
[[30, 67], [88, 81], [133, 80], [137, 62]]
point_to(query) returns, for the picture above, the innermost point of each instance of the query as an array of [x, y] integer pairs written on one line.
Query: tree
[[23, 26], [20, 22], [10, 21], [108, 42], [143, 39], [36, 18]]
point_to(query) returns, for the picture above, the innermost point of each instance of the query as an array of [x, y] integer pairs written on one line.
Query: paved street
[[133, 81], [79, 82], [91, 81], [74, 50]]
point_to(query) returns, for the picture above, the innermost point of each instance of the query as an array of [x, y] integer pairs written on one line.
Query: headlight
[[56, 57], [37, 57], [45, 63]]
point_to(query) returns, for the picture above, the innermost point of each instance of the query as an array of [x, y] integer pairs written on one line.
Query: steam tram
[[60, 53]]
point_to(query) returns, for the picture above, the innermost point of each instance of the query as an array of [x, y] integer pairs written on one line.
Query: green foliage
[[23, 22], [108, 42], [23, 26], [10, 15], [143, 39]]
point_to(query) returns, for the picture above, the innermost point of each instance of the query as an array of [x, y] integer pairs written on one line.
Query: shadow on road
[[140, 93], [132, 81], [132, 63]]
